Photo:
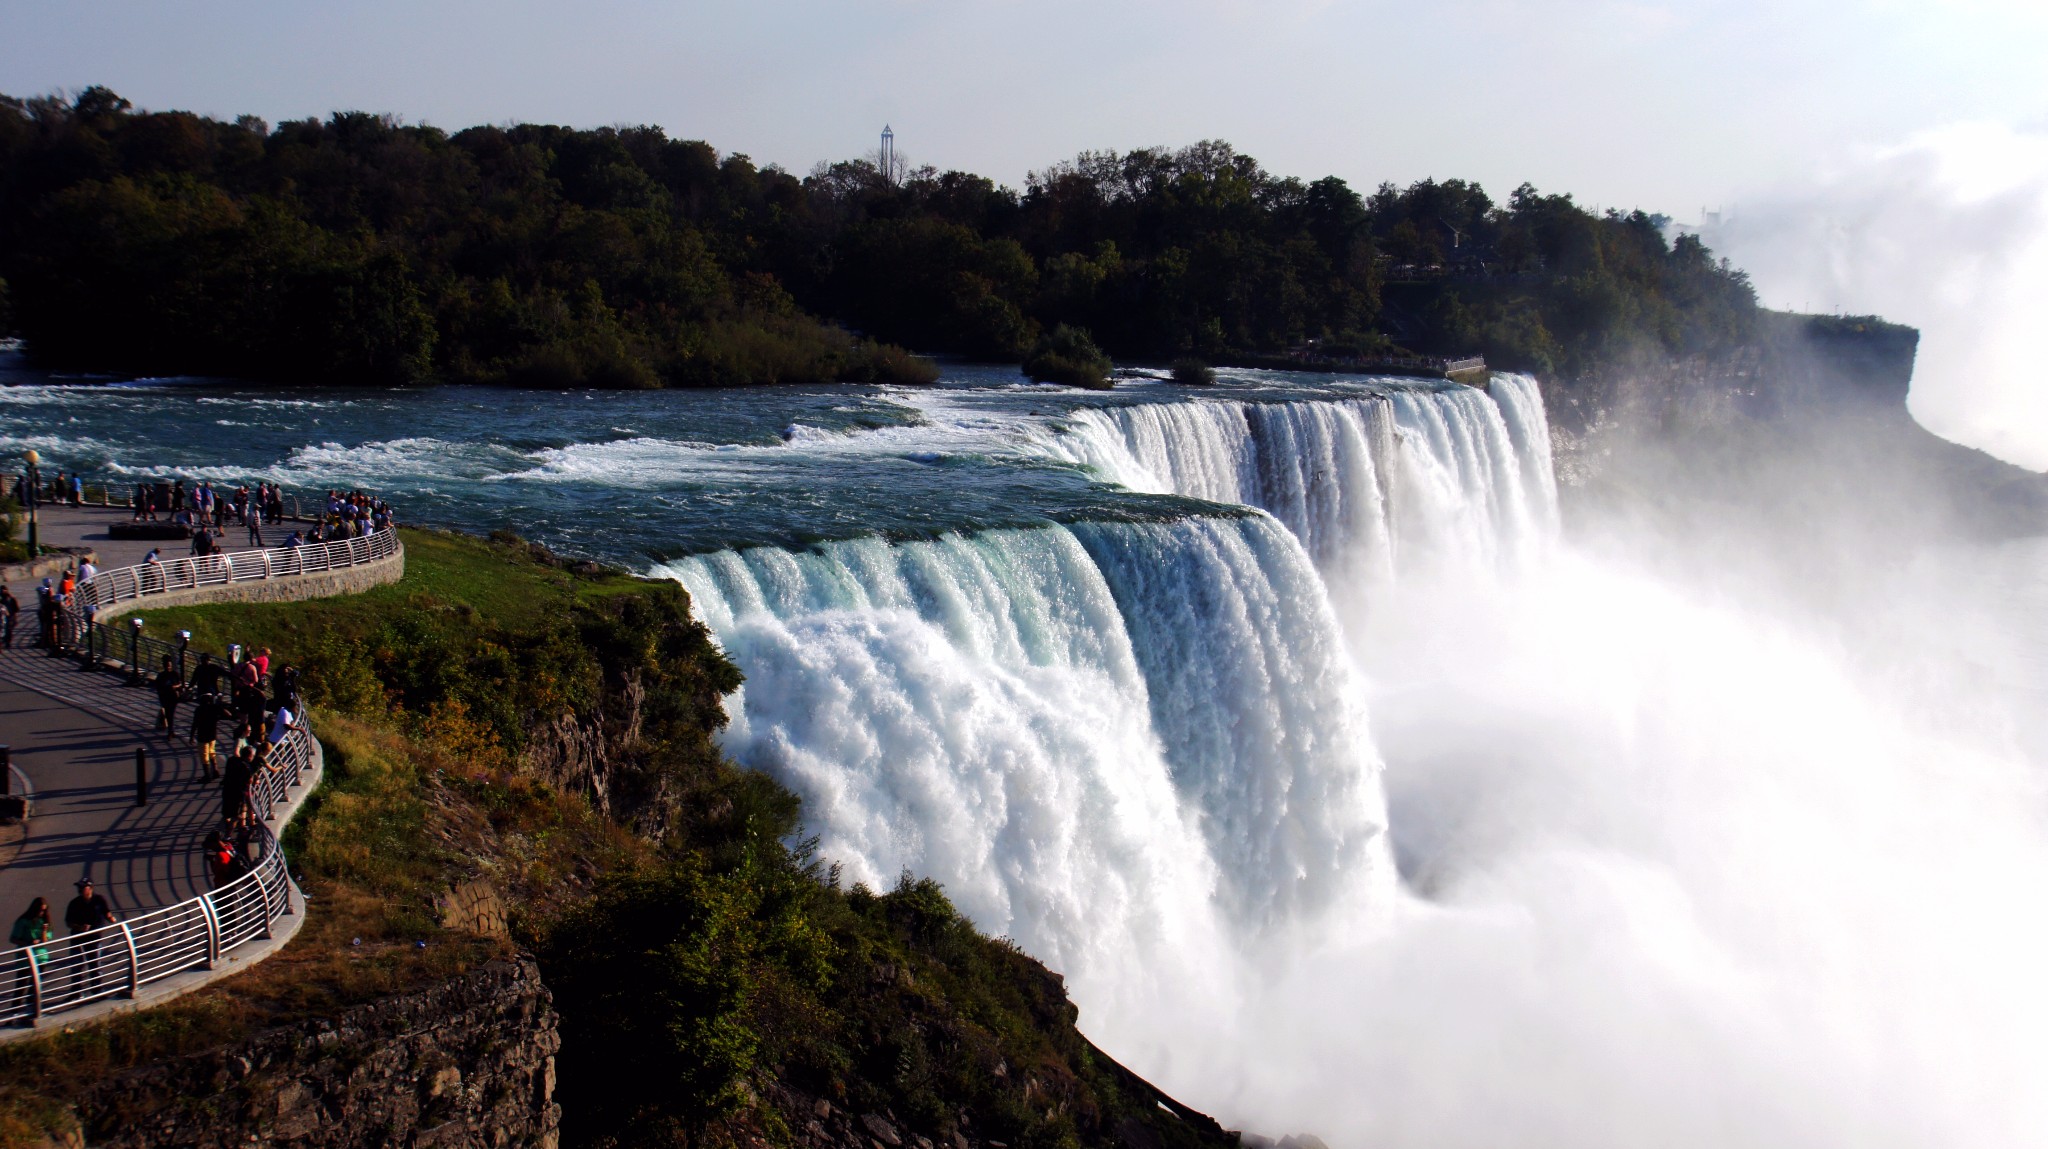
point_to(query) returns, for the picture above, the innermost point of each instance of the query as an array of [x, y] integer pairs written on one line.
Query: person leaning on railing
[[31, 930]]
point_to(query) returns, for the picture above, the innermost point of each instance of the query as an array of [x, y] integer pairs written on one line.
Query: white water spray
[[1676, 873]]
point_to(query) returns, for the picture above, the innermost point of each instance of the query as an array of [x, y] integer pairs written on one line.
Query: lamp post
[[134, 651], [184, 642], [32, 496]]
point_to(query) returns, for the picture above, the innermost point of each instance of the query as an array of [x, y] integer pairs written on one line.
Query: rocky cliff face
[[468, 1062], [1812, 409]]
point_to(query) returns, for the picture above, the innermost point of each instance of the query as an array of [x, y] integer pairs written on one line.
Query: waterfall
[[1370, 485], [1090, 733], [1312, 465], [1106, 726], [1141, 749]]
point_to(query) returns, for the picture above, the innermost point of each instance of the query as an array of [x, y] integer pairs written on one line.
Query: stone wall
[[466, 1063]]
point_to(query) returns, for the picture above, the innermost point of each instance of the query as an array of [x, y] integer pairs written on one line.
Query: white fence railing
[[120, 959], [191, 572]]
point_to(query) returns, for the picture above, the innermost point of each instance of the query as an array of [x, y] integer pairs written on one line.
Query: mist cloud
[[1947, 231]]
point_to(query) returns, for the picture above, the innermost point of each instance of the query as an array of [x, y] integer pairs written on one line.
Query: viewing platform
[[110, 798]]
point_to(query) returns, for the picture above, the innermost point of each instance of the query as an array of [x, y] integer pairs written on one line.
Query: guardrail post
[[134, 962], [206, 911], [268, 917], [35, 984]]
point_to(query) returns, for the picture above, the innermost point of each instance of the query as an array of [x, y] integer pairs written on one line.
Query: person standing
[[32, 928], [284, 689], [249, 694], [206, 715], [87, 912], [31, 932], [170, 690], [234, 785], [281, 725], [10, 610]]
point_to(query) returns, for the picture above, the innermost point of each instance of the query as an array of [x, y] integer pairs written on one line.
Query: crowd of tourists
[[206, 513], [258, 709], [243, 710]]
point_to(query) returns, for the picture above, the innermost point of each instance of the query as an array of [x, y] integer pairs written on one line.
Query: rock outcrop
[[469, 1062]]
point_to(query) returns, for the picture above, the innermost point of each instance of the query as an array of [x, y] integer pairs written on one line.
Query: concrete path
[[60, 526], [74, 734]]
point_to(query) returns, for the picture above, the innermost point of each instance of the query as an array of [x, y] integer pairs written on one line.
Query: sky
[[1761, 109]]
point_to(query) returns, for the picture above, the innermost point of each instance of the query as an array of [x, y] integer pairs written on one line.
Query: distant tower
[[888, 164]]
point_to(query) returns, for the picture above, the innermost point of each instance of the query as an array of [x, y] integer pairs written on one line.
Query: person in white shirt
[[281, 724]]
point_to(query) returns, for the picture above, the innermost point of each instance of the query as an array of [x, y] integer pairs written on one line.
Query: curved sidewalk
[[75, 728], [74, 735]]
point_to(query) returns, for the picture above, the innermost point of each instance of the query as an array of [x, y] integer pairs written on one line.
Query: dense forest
[[366, 250]]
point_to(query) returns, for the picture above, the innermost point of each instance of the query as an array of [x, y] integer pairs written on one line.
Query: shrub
[[1193, 372], [1068, 356], [871, 362]]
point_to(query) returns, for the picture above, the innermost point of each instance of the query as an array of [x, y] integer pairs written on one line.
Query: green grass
[[478, 579]]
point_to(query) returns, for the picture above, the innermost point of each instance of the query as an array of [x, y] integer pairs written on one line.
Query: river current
[[1351, 795]]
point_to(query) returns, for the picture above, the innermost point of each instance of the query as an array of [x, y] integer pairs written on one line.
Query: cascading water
[[1141, 749], [1411, 479], [1121, 743]]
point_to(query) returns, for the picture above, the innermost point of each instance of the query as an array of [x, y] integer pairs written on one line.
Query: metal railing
[[118, 960], [189, 573]]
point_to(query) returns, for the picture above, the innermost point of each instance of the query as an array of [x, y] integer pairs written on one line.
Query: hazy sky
[[1670, 106], [1664, 105]]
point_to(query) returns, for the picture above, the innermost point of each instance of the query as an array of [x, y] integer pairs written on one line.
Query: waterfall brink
[[1111, 741], [1370, 485], [1312, 465]]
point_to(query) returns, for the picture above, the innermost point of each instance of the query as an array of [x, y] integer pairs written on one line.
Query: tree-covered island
[[365, 250]]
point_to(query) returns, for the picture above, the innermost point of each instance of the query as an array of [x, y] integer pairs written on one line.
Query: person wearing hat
[[88, 911]]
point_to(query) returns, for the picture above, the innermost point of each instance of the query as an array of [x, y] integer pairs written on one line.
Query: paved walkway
[[74, 734], [59, 526]]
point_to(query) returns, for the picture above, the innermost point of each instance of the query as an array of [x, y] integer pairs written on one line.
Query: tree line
[[361, 249]]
